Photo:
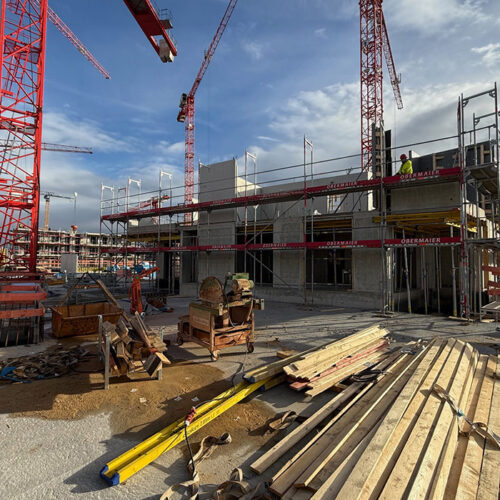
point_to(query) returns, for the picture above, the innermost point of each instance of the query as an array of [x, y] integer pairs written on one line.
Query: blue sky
[[283, 69]]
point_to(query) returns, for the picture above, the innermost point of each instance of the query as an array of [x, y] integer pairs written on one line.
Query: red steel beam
[[22, 297], [148, 20], [312, 245], [22, 313], [395, 181]]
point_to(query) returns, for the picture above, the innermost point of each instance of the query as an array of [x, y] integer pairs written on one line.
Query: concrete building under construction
[[333, 236]]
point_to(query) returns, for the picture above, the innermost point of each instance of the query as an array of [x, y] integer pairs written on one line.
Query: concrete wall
[[426, 198], [69, 262], [288, 265], [217, 181], [366, 262]]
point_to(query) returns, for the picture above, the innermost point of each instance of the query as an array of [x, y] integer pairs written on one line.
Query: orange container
[[82, 319]]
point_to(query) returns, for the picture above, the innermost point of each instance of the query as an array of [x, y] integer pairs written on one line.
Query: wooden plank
[[445, 462], [281, 481], [262, 372], [290, 473], [471, 467], [285, 353], [292, 438], [361, 423], [340, 474], [137, 325], [361, 470], [489, 478], [325, 383], [279, 449], [378, 344], [316, 362], [470, 410], [381, 468], [345, 343], [401, 476], [426, 470]]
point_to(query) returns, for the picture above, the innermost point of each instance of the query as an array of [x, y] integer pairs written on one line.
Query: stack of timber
[[134, 347], [325, 367], [427, 427]]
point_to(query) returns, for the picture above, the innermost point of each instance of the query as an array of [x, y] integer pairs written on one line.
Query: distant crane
[[47, 196], [47, 146], [186, 114], [374, 40]]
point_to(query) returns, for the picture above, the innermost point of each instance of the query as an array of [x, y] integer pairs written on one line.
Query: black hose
[[189, 448]]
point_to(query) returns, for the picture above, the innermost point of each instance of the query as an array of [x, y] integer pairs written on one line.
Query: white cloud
[[320, 33], [266, 138], [164, 147], [490, 54], [60, 128], [253, 49], [431, 16]]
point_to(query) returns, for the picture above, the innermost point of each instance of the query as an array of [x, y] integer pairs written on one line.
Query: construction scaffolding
[[411, 241]]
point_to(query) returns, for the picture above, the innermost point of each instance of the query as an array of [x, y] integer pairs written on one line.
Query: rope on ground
[[479, 427]]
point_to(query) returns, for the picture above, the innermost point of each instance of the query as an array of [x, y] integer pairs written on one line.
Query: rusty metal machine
[[221, 319]]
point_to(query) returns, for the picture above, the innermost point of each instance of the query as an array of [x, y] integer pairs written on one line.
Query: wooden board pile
[[403, 435], [322, 368], [134, 346]]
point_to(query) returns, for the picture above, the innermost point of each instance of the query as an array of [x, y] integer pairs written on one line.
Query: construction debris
[[47, 364], [427, 426], [134, 347]]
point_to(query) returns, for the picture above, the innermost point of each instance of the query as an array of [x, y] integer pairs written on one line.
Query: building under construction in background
[[70, 251], [320, 234]]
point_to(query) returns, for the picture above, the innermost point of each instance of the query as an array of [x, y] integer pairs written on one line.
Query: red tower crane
[[23, 25], [155, 25], [186, 114], [374, 41]]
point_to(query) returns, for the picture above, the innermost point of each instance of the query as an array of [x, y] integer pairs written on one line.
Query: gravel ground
[[60, 459]]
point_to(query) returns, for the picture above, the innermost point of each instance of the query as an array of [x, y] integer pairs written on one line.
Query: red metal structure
[[154, 28], [135, 290], [186, 114], [22, 64], [374, 42], [63, 28], [47, 146]]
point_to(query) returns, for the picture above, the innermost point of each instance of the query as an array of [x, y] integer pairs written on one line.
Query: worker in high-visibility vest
[[406, 166]]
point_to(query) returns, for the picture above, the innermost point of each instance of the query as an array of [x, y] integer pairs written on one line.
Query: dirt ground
[[140, 407], [57, 434]]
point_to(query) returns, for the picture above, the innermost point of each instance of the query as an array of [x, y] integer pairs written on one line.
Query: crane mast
[[187, 105], [374, 44]]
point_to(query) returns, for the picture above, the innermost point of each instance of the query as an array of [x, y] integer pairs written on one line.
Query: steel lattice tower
[[374, 43], [371, 53], [22, 62]]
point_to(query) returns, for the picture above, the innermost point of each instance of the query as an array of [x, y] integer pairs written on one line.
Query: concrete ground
[[61, 459]]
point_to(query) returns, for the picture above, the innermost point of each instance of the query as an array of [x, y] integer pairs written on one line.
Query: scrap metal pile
[[47, 364]]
